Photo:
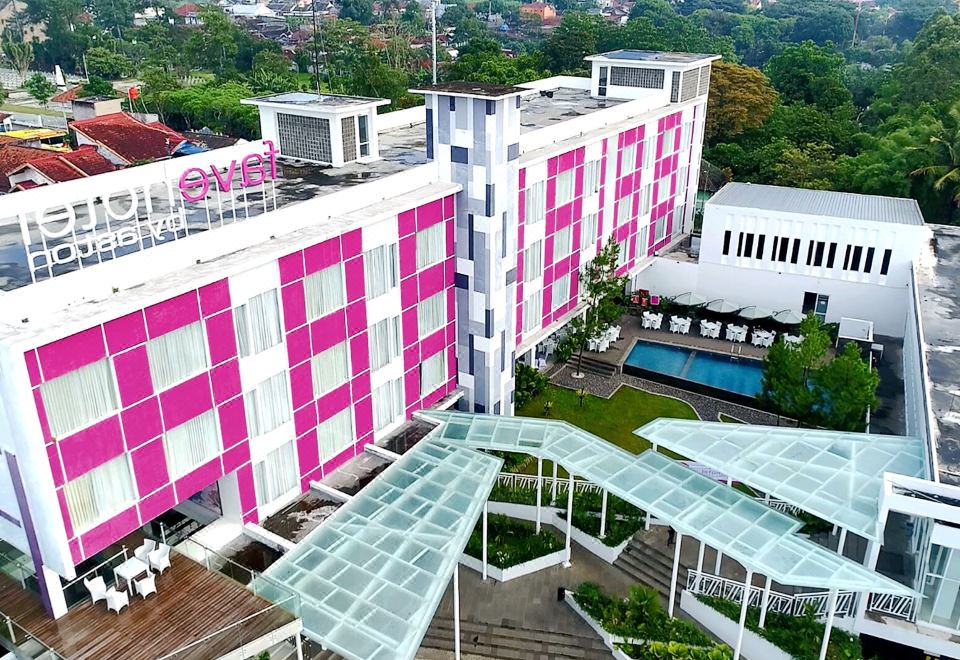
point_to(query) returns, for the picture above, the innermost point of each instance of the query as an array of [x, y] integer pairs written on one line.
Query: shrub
[[511, 542], [529, 383], [676, 651]]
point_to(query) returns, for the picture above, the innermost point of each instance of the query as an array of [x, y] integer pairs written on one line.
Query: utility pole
[[433, 41], [316, 55]]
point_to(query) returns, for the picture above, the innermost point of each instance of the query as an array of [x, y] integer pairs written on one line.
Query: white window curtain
[[646, 199], [384, 342], [268, 405], [176, 356], [533, 262], [431, 245], [663, 188], [257, 323], [685, 136], [649, 151], [433, 373], [643, 238], [432, 313], [682, 175], [562, 243], [335, 434], [566, 187], [624, 208], [380, 270], [561, 291], [588, 230], [331, 368], [191, 444], [628, 161], [591, 177], [324, 291], [276, 475], [622, 256], [660, 229], [669, 139], [104, 491], [387, 403], [77, 398], [535, 203], [533, 311]]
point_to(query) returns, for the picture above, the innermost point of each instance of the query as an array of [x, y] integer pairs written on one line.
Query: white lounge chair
[[117, 600], [97, 588], [144, 550], [147, 585], [160, 558]]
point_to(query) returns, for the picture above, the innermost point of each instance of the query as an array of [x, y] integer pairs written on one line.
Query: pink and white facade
[[261, 352]]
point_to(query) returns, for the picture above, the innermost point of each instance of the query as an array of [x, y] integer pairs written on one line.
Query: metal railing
[[27, 644], [529, 482], [124, 553], [780, 505], [707, 584], [903, 607], [16, 569]]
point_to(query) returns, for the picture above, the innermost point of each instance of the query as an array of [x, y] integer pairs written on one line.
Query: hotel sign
[[127, 213]]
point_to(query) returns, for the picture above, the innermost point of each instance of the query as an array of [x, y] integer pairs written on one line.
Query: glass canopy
[[757, 536], [832, 474], [372, 575]]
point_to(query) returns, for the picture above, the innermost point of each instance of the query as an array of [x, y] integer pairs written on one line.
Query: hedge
[[511, 542]]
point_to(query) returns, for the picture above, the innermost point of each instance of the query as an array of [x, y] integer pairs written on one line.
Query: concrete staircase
[[493, 641], [591, 366], [651, 566]]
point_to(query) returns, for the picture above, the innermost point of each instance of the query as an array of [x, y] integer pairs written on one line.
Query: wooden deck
[[191, 603]]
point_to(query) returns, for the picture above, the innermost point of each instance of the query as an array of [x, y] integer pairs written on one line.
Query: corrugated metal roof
[[896, 210]]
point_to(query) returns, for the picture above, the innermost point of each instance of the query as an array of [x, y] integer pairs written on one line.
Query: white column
[[603, 514], [539, 490], [54, 587], [700, 564], [456, 611], [842, 541], [553, 488], [673, 574], [484, 540], [743, 614], [299, 646], [566, 562], [765, 602], [828, 626], [716, 564]]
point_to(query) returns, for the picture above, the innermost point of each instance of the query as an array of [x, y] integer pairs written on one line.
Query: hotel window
[[663, 188], [818, 253], [433, 373], [643, 242], [831, 255], [591, 177], [562, 243], [795, 252], [868, 264], [335, 434], [761, 238], [533, 311], [533, 262], [432, 313], [330, 369], [257, 323], [784, 247], [324, 291], [669, 140], [649, 151], [561, 291], [846, 259], [387, 403], [276, 475], [726, 242], [682, 175], [364, 135], [176, 356], [565, 183], [624, 209], [856, 257], [660, 229], [631, 76], [686, 133], [885, 264], [622, 256], [588, 230], [535, 203], [101, 493], [646, 199], [431, 245], [747, 244], [79, 397], [809, 253], [380, 270], [384, 342], [191, 444], [628, 159], [268, 405]]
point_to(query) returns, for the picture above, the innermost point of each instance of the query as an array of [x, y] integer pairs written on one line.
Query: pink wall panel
[[199, 479], [294, 305], [71, 353], [353, 274], [214, 297], [126, 331], [356, 317], [172, 314], [330, 404], [93, 446], [359, 354], [150, 467], [159, 502], [141, 422], [351, 244], [133, 375], [221, 337], [103, 535], [291, 267], [225, 379], [323, 255], [233, 422], [186, 400]]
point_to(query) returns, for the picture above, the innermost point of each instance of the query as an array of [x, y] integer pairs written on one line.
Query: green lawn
[[612, 419]]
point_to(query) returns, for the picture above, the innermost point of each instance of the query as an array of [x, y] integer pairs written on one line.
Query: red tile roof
[[57, 166], [186, 9], [13, 156], [130, 139], [67, 95]]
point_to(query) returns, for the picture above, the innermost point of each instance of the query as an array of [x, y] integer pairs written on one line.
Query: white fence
[[529, 482], [39, 121], [903, 607], [10, 79], [795, 605]]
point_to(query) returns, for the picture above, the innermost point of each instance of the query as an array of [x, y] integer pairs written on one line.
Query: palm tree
[[20, 54], [943, 152]]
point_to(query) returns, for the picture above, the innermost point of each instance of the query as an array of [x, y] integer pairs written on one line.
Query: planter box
[[609, 639], [513, 572], [754, 646], [594, 545]]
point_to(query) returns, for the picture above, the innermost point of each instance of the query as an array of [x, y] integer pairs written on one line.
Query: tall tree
[[600, 289], [942, 153], [846, 388], [931, 71], [741, 97], [788, 370], [360, 11], [20, 54], [811, 74], [214, 46]]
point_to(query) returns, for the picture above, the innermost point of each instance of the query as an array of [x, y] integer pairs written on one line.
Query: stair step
[[511, 642]]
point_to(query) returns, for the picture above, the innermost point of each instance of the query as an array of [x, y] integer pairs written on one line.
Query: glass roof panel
[[832, 474], [371, 576]]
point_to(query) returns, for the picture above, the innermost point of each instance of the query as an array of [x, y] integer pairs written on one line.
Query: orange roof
[[187, 9], [14, 156], [67, 95], [129, 138], [67, 166]]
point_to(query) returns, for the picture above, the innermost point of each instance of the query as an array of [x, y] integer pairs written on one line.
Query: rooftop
[[540, 111], [317, 101], [826, 203], [129, 138], [460, 88], [629, 55]]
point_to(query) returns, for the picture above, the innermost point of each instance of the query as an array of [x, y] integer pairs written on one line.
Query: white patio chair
[[657, 321], [160, 558], [145, 549], [685, 326], [97, 588], [147, 585], [614, 332], [117, 600]]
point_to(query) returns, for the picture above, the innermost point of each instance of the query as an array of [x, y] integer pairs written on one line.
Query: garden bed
[[514, 548]]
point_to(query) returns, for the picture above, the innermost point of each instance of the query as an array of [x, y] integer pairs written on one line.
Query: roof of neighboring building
[[85, 161], [462, 88], [209, 139], [12, 156], [311, 100], [67, 95], [186, 9], [828, 203], [654, 56], [129, 138]]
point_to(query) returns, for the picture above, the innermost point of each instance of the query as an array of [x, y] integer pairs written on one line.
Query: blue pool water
[[739, 375]]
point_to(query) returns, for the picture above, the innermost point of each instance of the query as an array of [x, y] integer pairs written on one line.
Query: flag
[[133, 93]]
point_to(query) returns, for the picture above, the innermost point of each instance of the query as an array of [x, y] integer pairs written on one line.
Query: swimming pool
[[742, 376]]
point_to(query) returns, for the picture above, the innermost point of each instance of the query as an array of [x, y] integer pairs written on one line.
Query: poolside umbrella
[[753, 312], [787, 317], [689, 299], [721, 306]]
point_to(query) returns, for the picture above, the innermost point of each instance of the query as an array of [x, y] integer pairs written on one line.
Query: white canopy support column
[[566, 562], [603, 515], [674, 573], [539, 491], [745, 602], [703, 547], [765, 601], [456, 611], [485, 541], [843, 541], [716, 564], [828, 626], [299, 646]]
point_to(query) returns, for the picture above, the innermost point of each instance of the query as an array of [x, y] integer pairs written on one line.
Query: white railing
[[903, 607], [780, 505], [529, 482], [795, 605]]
